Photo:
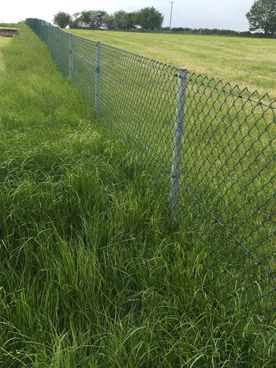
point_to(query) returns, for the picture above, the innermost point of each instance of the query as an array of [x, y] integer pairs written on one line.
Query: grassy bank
[[3, 42], [91, 274], [247, 62]]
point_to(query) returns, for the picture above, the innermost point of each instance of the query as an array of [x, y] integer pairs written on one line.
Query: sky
[[226, 14]]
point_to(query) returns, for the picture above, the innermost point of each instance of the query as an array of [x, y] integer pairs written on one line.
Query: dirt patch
[[9, 32]]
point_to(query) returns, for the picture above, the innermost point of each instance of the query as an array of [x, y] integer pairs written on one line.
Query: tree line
[[213, 31], [261, 18], [147, 18]]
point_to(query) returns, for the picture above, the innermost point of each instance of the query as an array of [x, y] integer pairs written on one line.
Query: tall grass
[[91, 273]]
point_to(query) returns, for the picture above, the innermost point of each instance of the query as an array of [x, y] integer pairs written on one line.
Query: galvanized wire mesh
[[227, 148]]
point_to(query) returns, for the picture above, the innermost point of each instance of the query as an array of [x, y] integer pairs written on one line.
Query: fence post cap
[[182, 72]]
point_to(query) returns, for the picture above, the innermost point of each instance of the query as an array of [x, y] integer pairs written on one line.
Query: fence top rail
[[227, 88]]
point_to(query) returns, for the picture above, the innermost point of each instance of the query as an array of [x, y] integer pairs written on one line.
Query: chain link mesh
[[227, 160]]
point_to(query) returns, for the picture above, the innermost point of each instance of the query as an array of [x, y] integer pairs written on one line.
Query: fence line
[[223, 164]]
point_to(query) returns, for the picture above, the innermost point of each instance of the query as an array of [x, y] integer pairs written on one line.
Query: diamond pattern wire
[[228, 147]]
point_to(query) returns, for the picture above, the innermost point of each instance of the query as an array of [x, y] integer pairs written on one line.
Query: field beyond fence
[[231, 59], [212, 145]]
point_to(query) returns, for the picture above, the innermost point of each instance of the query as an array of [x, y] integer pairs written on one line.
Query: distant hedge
[[215, 31]]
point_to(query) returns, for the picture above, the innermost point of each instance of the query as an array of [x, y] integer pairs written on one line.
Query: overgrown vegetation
[[91, 273]]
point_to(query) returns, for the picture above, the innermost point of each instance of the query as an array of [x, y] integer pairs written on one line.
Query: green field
[[248, 62], [91, 273]]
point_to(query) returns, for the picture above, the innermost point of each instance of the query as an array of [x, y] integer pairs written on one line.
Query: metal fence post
[[58, 49], [177, 141], [97, 77], [48, 36], [71, 57]]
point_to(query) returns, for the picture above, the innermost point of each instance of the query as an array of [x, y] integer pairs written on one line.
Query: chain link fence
[[212, 143]]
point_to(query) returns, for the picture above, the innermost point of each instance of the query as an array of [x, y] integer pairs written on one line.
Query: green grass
[[3, 43], [91, 274], [227, 155], [248, 62]]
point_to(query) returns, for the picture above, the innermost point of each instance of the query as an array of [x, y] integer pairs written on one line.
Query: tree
[[93, 19], [98, 18], [108, 21], [150, 18], [74, 20], [132, 20], [121, 19], [62, 19], [262, 16]]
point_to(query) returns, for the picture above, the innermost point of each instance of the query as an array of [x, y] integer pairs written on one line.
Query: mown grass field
[[91, 274], [248, 62]]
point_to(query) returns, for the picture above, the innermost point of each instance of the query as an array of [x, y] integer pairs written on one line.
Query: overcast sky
[[227, 14]]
